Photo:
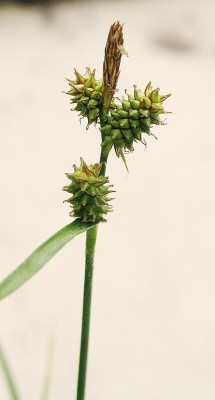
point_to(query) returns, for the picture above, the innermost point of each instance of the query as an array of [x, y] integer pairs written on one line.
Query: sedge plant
[[122, 123]]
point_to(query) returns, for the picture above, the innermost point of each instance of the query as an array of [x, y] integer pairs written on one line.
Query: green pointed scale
[[131, 118], [90, 192], [86, 93]]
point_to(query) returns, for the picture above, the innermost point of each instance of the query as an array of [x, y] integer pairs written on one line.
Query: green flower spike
[[132, 117], [89, 199], [86, 91]]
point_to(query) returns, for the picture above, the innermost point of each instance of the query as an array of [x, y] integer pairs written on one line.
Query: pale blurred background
[[153, 323]]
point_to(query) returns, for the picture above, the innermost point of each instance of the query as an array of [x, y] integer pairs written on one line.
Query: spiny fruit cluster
[[126, 121], [132, 117], [86, 91], [89, 199]]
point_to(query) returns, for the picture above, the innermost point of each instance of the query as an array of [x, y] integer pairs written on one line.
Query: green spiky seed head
[[131, 118], [90, 192], [86, 93]]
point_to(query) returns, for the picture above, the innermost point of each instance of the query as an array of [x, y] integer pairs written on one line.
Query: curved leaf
[[41, 256]]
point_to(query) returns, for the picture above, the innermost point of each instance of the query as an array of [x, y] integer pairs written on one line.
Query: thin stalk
[[91, 236], [103, 159], [105, 150], [48, 371], [89, 263], [113, 53], [8, 377]]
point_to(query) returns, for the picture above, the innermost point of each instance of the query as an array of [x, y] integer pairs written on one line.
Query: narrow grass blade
[[8, 377], [48, 371], [41, 256]]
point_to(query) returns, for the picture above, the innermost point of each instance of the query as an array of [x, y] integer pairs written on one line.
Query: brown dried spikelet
[[113, 54]]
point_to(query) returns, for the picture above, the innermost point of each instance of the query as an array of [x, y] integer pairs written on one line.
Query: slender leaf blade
[[48, 371], [8, 377], [41, 256]]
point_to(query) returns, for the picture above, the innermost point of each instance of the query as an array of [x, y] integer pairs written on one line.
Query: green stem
[[103, 159], [105, 150], [89, 263]]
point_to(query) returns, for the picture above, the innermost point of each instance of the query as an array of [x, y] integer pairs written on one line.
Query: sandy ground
[[153, 322]]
